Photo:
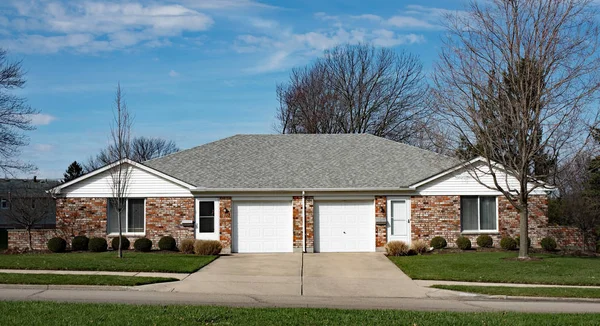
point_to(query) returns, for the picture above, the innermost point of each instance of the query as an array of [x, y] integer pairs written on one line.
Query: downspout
[[303, 222]]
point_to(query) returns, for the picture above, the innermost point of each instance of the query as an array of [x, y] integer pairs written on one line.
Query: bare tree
[[120, 148], [355, 89], [30, 204], [141, 149], [515, 81], [15, 116]]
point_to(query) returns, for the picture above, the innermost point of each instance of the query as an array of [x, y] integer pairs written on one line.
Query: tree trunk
[[29, 237], [524, 232], [120, 251]]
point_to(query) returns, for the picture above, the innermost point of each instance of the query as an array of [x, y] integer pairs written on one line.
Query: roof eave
[[236, 190]]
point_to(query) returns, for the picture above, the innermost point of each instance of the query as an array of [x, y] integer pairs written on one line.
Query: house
[[293, 193], [26, 196]]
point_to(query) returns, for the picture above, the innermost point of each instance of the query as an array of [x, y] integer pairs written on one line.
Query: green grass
[[46, 279], [524, 291], [3, 239], [492, 267], [50, 313], [108, 261]]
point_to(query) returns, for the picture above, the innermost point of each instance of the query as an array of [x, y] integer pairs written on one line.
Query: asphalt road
[[465, 304]]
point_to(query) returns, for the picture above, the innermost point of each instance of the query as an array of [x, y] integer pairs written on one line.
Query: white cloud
[[43, 147], [173, 73], [410, 22], [41, 119]]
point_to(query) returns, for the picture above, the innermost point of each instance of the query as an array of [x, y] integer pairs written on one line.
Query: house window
[[3, 203], [132, 216], [206, 216], [478, 214]]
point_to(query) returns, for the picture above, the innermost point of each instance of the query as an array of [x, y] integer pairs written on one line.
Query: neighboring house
[[286, 193], [26, 192]]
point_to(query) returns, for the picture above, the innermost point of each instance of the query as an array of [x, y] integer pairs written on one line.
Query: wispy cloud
[[41, 119], [173, 73]]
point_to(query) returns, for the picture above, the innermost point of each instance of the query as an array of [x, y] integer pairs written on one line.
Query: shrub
[[80, 243], [207, 247], [97, 245], [396, 248], [143, 244], [485, 241], [187, 246], [508, 243], [124, 243], [549, 244], [167, 243], [57, 244], [438, 243], [463, 243], [518, 240], [419, 246]]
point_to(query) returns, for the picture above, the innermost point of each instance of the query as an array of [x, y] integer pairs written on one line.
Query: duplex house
[[291, 193]]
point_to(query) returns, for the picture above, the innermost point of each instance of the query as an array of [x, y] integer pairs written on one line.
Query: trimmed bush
[[419, 246], [396, 248], [167, 243], [549, 244], [80, 243], [463, 243], [97, 245], [508, 243], [438, 243], [187, 246], [143, 244], [207, 247], [124, 243], [518, 240], [57, 244], [485, 241]]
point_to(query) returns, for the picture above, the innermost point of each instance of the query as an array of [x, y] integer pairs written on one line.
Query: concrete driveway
[[323, 274]]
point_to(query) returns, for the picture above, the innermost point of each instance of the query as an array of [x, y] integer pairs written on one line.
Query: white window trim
[[207, 235], [131, 234], [479, 230]]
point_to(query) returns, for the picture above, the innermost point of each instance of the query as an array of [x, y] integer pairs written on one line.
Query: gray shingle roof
[[303, 161]]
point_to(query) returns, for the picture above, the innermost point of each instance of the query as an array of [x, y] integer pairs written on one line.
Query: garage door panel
[[344, 226], [262, 226]]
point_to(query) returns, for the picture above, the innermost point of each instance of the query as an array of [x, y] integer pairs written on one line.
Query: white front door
[[344, 226], [399, 219], [262, 226]]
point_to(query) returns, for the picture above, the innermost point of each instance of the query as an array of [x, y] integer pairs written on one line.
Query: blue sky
[[193, 71]]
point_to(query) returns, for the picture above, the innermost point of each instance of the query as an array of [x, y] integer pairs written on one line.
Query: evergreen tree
[[74, 171]]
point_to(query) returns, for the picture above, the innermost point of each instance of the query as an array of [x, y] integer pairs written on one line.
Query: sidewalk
[[179, 276], [428, 283]]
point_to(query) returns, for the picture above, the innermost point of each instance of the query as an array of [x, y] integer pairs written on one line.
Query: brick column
[[310, 224], [380, 230], [225, 224], [297, 220]]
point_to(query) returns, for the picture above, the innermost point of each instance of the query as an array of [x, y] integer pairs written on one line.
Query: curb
[[66, 287]]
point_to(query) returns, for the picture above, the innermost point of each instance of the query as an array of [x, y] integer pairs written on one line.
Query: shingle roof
[[303, 161]]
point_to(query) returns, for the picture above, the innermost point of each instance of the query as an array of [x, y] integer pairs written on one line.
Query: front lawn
[[46, 279], [493, 267], [108, 261], [524, 291], [50, 313]]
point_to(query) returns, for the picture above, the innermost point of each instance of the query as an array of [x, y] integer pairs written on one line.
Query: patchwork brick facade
[[164, 217], [297, 221], [309, 223], [39, 238], [225, 223], [440, 216], [380, 229]]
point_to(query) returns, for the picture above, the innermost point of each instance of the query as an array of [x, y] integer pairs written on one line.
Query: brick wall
[[297, 221], [310, 224], [164, 217], [440, 216], [225, 224], [380, 230], [39, 238], [569, 237]]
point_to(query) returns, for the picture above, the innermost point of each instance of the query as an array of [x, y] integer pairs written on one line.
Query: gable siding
[[142, 184], [463, 183]]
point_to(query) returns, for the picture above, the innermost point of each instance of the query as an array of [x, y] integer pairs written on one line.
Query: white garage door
[[344, 226], [260, 226]]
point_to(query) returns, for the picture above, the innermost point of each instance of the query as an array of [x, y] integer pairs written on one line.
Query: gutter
[[202, 189], [303, 222]]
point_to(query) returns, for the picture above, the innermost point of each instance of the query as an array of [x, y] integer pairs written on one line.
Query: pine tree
[[74, 171]]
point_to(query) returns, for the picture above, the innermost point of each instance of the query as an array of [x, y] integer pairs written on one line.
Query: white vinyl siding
[[464, 183], [478, 214], [141, 184]]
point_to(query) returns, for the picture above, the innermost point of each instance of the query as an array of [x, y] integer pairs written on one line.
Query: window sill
[[134, 234], [479, 232]]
